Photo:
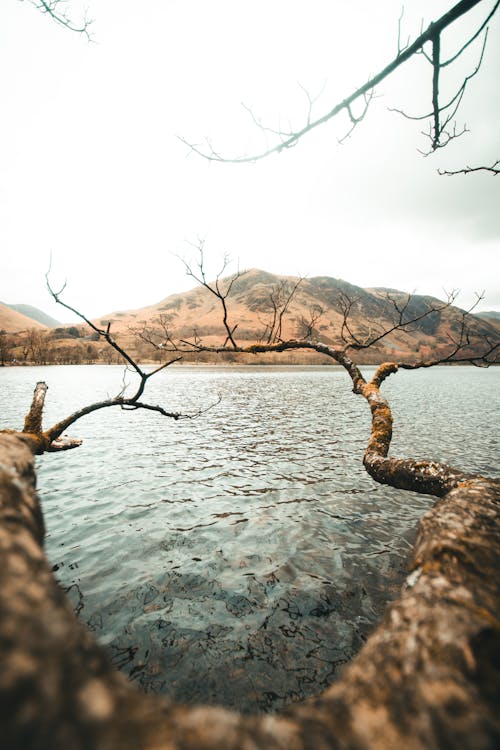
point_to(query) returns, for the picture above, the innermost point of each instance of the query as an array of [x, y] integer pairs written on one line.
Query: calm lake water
[[241, 557]]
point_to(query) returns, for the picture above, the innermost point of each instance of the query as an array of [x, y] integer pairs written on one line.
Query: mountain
[[35, 314], [12, 321], [489, 315], [319, 299]]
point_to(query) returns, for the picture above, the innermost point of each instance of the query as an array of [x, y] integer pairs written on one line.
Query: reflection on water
[[241, 557]]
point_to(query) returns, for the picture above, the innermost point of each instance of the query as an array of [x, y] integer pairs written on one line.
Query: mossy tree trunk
[[428, 677]]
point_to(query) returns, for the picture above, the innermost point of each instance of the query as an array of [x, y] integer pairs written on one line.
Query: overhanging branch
[[494, 169], [52, 439], [431, 34], [54, 9]]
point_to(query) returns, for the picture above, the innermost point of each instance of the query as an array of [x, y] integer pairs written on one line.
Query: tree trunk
[[33, 419], [427, 678]]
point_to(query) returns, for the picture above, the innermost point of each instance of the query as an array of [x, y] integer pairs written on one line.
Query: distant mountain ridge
[[489, 315], [315, 309], [13, 321], [35, 314], [318, 299]]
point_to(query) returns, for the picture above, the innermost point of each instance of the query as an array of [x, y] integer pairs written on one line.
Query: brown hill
[[319, 299], [13, 321], [490, 315]]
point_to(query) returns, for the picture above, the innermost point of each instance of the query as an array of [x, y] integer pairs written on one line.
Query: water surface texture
[[241, 557]]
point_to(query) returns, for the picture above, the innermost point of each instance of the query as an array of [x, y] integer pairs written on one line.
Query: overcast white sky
[[91, 170]]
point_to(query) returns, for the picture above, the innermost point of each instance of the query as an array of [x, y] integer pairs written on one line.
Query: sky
[[95, 181]]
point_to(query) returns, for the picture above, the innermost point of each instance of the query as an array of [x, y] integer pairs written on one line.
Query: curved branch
[[435, 645], [51, 8], [472, 38], [56, 430], [215, 288], [429, 35], [494, 169], [426, 676], [52, 439], [104, 333], [426, 477]]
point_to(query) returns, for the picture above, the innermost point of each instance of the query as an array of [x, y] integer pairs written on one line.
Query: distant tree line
[[58, 346]]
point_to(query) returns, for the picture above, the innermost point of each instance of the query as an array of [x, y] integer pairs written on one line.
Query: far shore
[[226, 365]]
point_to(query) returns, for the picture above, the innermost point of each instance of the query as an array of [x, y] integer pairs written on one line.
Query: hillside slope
[[13, 321], [490, 315], [36, 314], [321, 299]]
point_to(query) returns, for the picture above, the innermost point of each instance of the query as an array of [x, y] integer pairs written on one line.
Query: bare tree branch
[[50, 439], [432, 34], [426, 677], [367, 98], [465, 345], [403, 321], [472, 38], [436, 56], [55, 9], [494, 169], [307, 326], [441, 132], [280, 299], [217, 288], [398, 689], [33, 419], [402, 47]]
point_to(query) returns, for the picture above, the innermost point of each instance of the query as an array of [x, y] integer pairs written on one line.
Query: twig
[[494, 169], [289, 140]]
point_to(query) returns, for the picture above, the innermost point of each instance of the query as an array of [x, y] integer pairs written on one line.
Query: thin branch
[[459, 344], [494, 169], [104, 333], [461, 348], [436, 55], [439, 129], [311, 100], [56, 430], [48, 437], [216, 287], [472, 38], [307, 326], [53, 9], [356, 120], [287, 294], [127, 404], [456, 98], [406, 317], [401, 48], [430, 34], [401, 322]]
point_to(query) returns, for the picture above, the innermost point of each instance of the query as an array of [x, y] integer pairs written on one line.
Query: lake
[[243, 556]]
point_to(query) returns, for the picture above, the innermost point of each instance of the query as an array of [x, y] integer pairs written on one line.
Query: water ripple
[[241, 558]]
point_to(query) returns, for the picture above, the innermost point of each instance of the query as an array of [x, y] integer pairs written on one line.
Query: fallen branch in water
[[426, 678]]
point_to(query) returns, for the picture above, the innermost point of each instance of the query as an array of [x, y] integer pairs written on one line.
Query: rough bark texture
[[33, 419], [427, 678]]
